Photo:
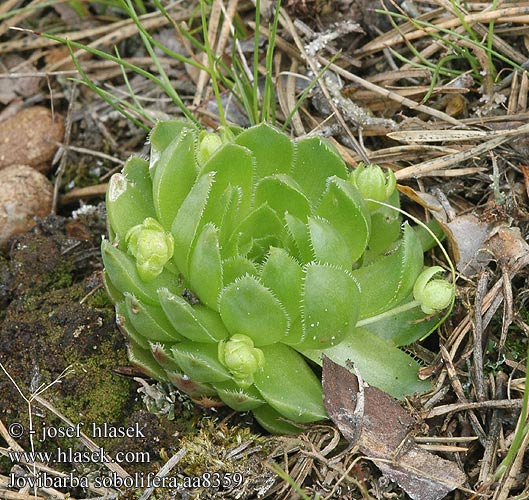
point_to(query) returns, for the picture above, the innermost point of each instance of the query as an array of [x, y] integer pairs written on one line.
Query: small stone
[[25, 194], [30, 138]]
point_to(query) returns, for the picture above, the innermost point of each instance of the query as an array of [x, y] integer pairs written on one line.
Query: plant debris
[[436, 91], [379, 426]]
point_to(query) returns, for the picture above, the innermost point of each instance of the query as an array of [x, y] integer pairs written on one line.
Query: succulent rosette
[[236, 259]]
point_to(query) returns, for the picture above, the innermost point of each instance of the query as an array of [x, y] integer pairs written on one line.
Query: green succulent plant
[[236, 259]]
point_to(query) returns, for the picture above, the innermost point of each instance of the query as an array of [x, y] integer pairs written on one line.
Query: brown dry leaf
[[508, 243], [456, 105], [466, 234], [380, 427]]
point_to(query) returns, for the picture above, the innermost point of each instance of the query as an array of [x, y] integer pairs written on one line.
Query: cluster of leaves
[[234, 257]]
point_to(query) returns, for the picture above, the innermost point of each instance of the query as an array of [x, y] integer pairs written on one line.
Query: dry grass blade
[[8, 5], [213, 25], [388, 94], [17, 18], [286, 93], [509, 14], [426, 168], [509, 479], [85, 193], [420, 136], [104, 35], [14, 495], [511, 404], [8, 439], [331, 99]]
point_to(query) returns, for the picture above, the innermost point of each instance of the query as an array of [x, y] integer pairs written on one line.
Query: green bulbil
[[151, 246], [434, 295], [234, 257], [241, 358], [373, 184]]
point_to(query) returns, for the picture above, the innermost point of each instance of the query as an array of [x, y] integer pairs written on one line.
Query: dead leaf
[[380, 427], [508, 243], [456, 105], [466, 234]]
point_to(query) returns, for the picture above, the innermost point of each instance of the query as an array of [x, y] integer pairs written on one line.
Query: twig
[[479, 382], [458, 389], [488, 462], [509, 404], [388, 94], [287, 22]]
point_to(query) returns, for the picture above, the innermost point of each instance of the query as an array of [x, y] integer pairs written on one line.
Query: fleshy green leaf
[[197, 323], [175, 175], [163, 355], [424, 233], [143, 359], [403, 328], [299, 233], [192, 388], [125, 326], [330, 305], [273, 151], [237, 398], [229, 215], [282, 275], [261, 224], [233, 166], [296, 332], [344, 208], [316, 160], [114, 294], [390, 279], [164, 133], [385, 227], [273, 422], [205, 267], [187, 220], [289, 386], [150, 321], [126, 205], [328, 244], [282, 194], [237, 267], [200, 362], [121, 270], [136, 170], [380, 364], [249, 308]]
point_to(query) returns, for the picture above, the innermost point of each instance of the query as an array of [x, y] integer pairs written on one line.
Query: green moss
[[101, 395], [61, 277], [100, 300], [208, 450]]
